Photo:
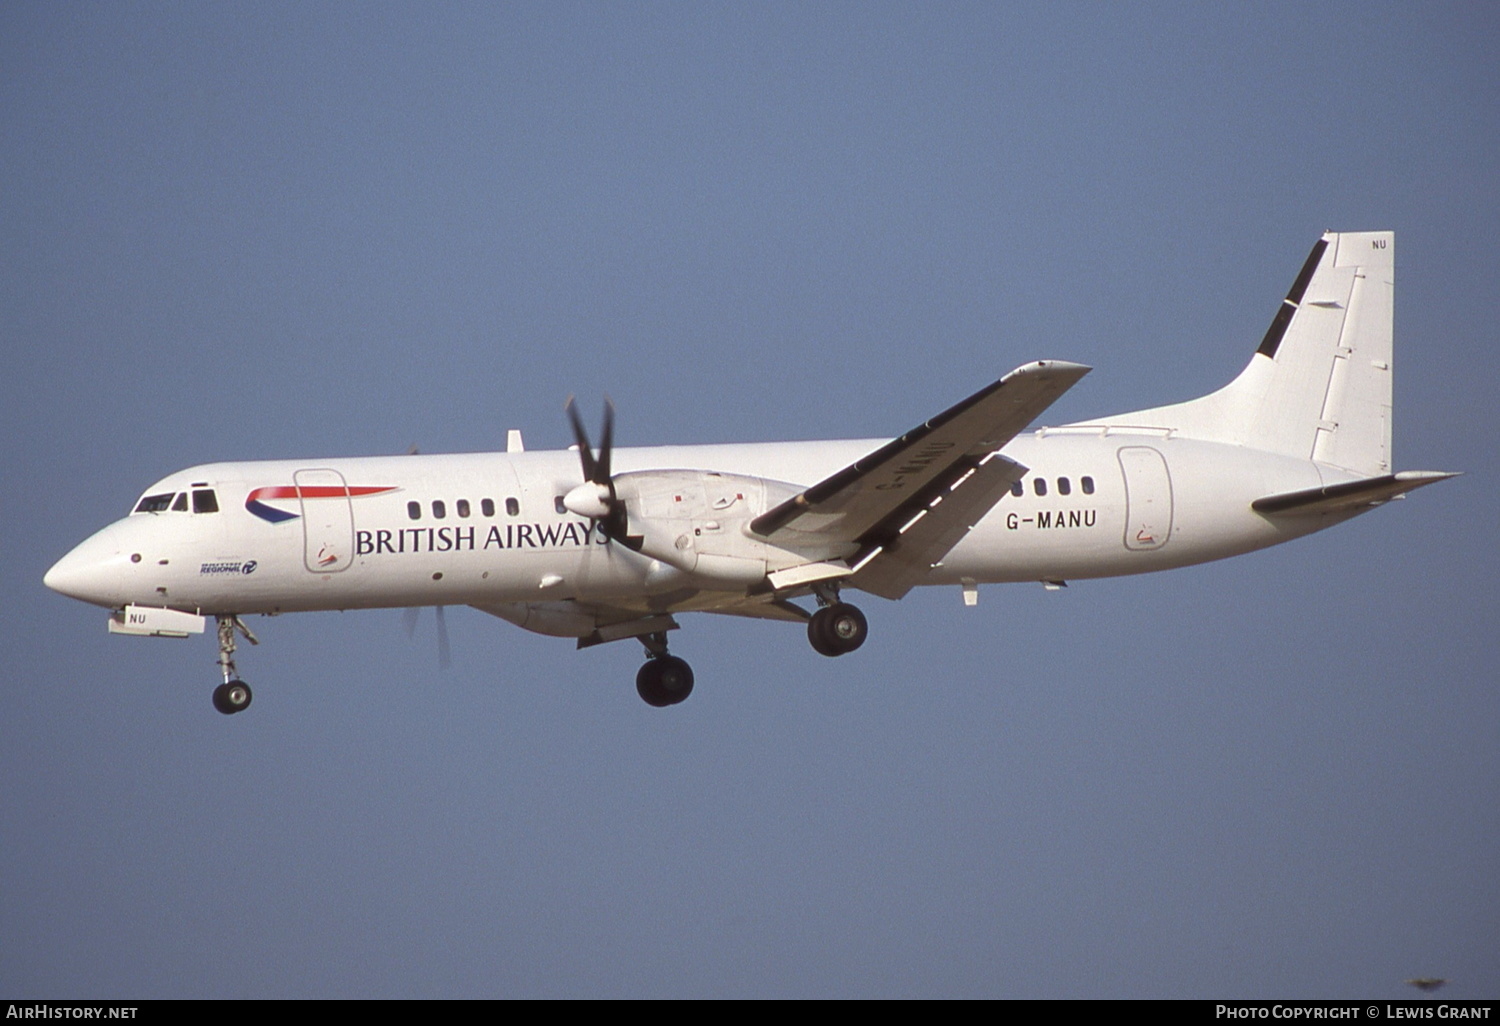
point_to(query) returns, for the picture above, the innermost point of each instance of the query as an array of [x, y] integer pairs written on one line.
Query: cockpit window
[[154, 503], [205, 500]]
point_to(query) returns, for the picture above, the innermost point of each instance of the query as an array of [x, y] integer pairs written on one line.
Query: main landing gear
[[233, 695], [664, 679], [837, 627]]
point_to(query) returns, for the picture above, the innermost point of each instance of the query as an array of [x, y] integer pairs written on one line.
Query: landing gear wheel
[[837, 629], [664, 680], [232, 697]]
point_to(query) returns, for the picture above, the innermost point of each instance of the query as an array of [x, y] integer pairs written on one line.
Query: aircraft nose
[[95, 571], [68, 576]]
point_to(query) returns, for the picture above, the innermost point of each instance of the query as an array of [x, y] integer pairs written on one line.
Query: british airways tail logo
[[271, 514]]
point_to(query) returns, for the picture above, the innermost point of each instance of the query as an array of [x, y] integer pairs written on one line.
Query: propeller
[[596, 498], [409, 617]]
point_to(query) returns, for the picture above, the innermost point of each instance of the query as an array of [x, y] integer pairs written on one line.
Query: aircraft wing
[[592, 623], [868, 504], [788, 612]]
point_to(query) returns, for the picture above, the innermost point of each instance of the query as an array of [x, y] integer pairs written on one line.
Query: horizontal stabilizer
[[1350, 495]]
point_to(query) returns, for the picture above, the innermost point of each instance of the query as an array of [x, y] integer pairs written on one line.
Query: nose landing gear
[[233, 695]]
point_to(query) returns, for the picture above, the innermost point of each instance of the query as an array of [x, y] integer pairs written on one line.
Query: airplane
[[614, 544]]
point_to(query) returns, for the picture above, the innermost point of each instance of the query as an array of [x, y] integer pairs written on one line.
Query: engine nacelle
[[698, 521]]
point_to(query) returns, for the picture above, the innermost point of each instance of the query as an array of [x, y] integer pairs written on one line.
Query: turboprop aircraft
[[616, 544]]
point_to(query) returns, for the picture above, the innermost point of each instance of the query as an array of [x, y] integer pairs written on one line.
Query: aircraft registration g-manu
[[616, 544]]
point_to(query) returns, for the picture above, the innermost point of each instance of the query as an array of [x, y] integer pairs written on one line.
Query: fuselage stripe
[[254, 504]]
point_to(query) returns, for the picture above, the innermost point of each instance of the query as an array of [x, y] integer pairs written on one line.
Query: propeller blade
[[445, 651], [605, 507], [585, 451], [409, 617], [606, 446]]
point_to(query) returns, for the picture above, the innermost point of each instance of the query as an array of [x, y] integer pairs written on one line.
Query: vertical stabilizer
[[1319, 385]]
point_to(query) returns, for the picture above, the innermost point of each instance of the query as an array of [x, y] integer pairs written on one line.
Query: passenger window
[[463, 507], [1064, 487], [513, 507], [180, 506], [1017, 489], [487, 507], [439, 510], [154, 503], [1088, 486], [205, 502], [1039, 485], [414, 510]]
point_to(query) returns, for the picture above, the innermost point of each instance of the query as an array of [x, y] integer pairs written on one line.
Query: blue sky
[[267, 231]]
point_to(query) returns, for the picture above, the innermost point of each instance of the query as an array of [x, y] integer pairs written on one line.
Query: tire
[[664, 681], [837, 629], [232, 697]]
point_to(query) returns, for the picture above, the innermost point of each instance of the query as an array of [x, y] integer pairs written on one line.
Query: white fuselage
[[486, 528]]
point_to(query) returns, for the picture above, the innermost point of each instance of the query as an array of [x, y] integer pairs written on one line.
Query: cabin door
[[327, 520], [1148, 498]]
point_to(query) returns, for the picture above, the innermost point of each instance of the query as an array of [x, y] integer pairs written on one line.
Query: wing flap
[[902, 562], [807, 573]]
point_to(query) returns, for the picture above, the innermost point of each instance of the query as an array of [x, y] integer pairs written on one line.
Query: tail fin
[[1319, 386]]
